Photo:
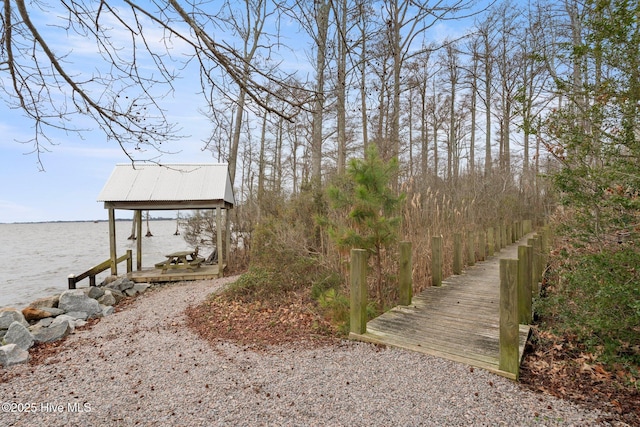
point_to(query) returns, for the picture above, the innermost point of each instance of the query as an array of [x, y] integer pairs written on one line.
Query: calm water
[[38, 258]]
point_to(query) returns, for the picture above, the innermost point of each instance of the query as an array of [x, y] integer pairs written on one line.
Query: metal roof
[[150, 186]]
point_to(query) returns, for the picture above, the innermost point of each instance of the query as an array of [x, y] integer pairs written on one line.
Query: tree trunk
[[322, 21], [342, 86]]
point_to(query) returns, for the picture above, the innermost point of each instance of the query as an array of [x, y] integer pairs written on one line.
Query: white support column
[[112, 242], [221, 257]]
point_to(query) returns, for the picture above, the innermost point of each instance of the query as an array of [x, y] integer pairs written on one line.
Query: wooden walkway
[[458, 321]]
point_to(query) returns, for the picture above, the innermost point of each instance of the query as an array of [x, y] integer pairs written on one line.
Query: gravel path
[[142, 366]]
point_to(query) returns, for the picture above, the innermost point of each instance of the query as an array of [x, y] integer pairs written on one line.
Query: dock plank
[[458, 321]]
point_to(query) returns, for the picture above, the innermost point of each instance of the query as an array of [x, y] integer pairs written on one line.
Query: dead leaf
[[586, 368]]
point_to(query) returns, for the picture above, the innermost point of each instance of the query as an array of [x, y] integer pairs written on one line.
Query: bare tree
[[133, 69], [407, 20], [534, 93], [451, 75], [471, 72], [509, 66], [247, 24], [341, 12], [486, 58], [421, 72], [364, 13]]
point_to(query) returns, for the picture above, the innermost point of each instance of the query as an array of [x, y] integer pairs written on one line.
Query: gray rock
[[107, 298], [65, 318], [108, 280], [18, 334], [121, 284], [80, 323], [77, 315], [119, 296], [46, 302], [55, 311], [53, 332], [130, 292], [141, 287], [12, 354], [10, 315], [75, 300], [95, 292], [44, 322], [107, 310], [35, 328]]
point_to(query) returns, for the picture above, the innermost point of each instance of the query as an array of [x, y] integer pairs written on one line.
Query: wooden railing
[[92, 272], [520, 281], [519, 278]]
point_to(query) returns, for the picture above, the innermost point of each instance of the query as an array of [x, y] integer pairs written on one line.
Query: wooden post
[[129, 261], [491, 245], [457, 253], [138, 221], [358, 324], [534, 264], [509, 327], [471, 248], [221, 257], [526, 227], [404, 275], [504, 236], [524, 284], [112, 242], [509, 236], [436, 260], [71, 279], [482, 245]]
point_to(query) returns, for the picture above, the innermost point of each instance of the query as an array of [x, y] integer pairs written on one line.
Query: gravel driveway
[[142, 366]]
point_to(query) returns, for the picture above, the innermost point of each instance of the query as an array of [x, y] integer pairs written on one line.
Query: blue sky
[[77, 166], [75, 169]]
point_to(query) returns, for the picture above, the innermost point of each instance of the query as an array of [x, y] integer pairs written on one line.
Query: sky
[[75, 169], [66, 185]]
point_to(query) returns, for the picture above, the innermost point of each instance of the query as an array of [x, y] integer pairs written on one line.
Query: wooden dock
[[155, 275], [458, 321]]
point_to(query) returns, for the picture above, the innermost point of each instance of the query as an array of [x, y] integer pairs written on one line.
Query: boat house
[[149, 187]]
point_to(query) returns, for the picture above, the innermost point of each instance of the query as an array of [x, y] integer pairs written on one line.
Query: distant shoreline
[[84, 220]]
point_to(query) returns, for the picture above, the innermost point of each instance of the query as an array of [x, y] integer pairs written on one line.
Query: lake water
[[36, 259]]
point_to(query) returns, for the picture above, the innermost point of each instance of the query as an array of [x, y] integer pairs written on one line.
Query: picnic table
[[181, 260]]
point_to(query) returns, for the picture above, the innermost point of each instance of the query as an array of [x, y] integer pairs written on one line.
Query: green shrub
[[336, 307], [280, 264], [596, 298]]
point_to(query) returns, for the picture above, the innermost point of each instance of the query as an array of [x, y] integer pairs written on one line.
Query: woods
[[474, 105], [380, 73], [364, 123]]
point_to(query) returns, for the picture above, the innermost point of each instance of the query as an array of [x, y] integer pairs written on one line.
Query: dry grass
[[434, 209]]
